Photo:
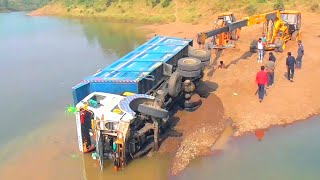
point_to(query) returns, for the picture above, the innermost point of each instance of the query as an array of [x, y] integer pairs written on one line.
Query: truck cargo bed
[[133, 71]]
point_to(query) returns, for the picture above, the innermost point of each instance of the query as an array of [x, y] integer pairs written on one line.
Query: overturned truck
[[123, 109]]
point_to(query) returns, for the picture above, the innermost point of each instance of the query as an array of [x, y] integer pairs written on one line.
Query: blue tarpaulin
[[125, 73]]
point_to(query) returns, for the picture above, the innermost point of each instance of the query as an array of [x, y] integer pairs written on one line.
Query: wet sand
[[200, 130]]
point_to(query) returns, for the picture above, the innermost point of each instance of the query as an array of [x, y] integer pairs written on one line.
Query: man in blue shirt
[[300, 54], [290, 62]]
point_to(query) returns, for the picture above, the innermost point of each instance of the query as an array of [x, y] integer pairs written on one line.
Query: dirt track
[[286, 102]]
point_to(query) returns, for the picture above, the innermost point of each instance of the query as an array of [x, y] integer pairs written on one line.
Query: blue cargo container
[[133, 71]]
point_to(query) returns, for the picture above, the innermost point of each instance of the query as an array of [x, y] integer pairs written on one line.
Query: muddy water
[[286, 153], [41, 59]]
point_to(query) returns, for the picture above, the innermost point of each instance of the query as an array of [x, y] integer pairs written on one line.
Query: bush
[[166, 3], [155, 2], [314, 7], [278, 5], [251, 9]]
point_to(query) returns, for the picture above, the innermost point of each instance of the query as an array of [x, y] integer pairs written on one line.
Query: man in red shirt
[[262, 80]]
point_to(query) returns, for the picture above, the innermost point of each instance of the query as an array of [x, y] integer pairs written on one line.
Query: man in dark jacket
[[290, 62], [272, 57], [300, 54]]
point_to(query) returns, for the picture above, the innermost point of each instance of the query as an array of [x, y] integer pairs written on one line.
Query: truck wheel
[[153, 111], [280, 44], [202, 89], [174, 84], [295, 36], [189, 64], [194, 101], [253, 46], [234, 35], [189, 74], [202, 55], [205, 64]]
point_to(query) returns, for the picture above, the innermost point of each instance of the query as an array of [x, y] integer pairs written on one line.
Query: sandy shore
[[285, 103]]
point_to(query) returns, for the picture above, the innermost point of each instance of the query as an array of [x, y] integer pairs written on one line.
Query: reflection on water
[[155, 168], [290, 153], [41, 59], [113, 38]]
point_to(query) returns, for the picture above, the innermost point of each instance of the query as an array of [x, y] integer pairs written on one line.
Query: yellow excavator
[[278, 26]]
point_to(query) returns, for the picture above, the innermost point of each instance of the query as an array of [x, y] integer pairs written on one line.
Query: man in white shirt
[[260, 47]]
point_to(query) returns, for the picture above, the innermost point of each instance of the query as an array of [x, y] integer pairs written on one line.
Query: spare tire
[[202, 55], [175, 84], [253, 46], [189, 64], [189, 74], [153, 111]]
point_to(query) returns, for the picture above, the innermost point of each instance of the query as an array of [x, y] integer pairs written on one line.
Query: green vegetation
[[164, 11], [279, 5], [22, 4]]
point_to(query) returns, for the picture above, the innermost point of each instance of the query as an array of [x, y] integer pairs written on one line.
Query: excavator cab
[[292, 19], [224, 19]]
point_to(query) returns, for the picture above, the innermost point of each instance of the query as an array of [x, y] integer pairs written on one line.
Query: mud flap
[[99, 147]]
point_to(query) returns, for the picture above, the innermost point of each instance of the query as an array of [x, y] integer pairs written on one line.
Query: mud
[[200, 130]]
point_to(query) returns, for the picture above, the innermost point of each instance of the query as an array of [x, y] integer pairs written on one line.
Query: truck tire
[[234, 35], [153, 111], [194, 101], [253, 46], [189, 74], [189, 64], [295, 36], [205, 64], [202, 55], [279, 45], [175, 84]]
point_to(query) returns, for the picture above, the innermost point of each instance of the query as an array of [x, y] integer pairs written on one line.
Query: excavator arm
[[262, 18], [272, 17]]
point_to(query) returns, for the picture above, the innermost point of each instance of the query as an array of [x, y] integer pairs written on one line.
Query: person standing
[[261, 79], [290, 62], [270, 71], [260, 47], [300, 54], [272, 57]]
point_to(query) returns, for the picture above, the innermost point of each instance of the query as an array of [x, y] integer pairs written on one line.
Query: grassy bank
[[164, 11], [21, 5]]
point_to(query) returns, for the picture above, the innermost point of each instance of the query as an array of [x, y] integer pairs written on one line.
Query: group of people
[[265, 77]]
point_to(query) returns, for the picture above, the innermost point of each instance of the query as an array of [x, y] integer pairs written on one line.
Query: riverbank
[[167, 11], [286, 102]]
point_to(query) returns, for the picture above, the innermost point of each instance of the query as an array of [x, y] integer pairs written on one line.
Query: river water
[[43, 57]]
